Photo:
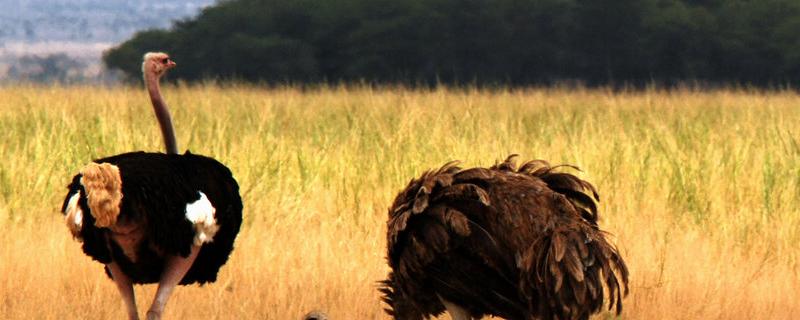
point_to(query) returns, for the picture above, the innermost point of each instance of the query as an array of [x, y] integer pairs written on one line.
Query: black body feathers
[[156, 189]]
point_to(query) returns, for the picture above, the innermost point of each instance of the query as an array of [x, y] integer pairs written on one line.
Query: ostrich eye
[[165, 60]]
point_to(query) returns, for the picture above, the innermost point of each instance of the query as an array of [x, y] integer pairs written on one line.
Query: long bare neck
[[162, 113]]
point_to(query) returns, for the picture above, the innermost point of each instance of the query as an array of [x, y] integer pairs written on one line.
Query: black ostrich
[[516, 243], [152, 217]]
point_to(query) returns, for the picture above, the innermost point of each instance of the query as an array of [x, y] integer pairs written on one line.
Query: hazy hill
[[73, 33], [88, 20]]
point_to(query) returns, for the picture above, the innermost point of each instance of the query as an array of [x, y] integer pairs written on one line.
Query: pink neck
[[162, 113]]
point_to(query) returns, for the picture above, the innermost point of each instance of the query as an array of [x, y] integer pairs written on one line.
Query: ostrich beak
[[171, 64]]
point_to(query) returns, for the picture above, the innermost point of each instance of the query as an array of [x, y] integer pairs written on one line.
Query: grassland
[[701, 190]]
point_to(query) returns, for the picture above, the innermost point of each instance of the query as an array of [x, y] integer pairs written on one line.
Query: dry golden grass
[[701, 190]]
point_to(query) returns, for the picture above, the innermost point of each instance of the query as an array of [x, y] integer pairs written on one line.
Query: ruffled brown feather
[[519, 242]]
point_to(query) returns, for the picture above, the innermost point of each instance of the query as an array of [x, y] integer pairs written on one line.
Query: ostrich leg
[[174, 269], [125, 288]]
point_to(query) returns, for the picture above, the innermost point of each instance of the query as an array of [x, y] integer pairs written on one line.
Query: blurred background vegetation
[[483, 42]]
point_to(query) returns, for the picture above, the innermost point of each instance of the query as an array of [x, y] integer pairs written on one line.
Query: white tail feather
[[201, 214]]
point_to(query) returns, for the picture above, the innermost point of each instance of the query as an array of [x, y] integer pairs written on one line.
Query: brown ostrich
[[506, 241], [153, 217]]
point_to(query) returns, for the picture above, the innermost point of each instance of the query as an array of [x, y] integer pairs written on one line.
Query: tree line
[[483, 42]]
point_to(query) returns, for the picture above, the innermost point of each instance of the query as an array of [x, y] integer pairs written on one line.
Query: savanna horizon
[[700, 190]]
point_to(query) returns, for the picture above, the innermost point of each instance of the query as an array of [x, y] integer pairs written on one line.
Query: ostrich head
[[156, 63]]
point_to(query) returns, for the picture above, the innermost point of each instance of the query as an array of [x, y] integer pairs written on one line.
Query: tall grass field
[[699, 190]]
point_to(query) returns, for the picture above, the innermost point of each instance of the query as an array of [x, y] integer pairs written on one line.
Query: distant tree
[[55, 68], [682, 39], [486, 42]]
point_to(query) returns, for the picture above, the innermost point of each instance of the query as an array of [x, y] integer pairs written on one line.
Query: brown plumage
[[103, 187], [508, 241]]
